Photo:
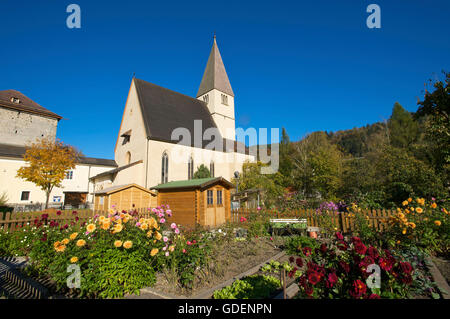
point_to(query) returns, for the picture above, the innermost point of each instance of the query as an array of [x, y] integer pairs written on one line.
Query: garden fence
[[341, 221], [14, 221]]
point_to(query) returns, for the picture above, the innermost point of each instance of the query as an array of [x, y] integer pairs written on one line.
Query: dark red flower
[[306, 251], [302, 281], [309, 290], [360, 248], [373, 252], [58, 212], [339, 236], [365, 263], [359, 289], [332, 279], [291, 259], [323, 248], [344, 266], [374, 296], [406, 267], [385, 263], [77, 218], [299, 262], [44, 238], [74, 212], [356, 240], [44, 216], [314, 278]]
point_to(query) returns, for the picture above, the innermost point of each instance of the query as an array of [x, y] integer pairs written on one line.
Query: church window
[[224, 99], [206, 98], [128, 158], [164, 168], [190, 168], [211, 169]]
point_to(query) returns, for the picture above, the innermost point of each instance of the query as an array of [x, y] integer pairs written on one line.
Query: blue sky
[[304, 65]]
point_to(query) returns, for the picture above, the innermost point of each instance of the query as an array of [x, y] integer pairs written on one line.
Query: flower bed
[[342, 268]]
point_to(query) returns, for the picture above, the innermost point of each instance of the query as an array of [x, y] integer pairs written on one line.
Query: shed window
[[219, 197], [25, 195], [101, 200], [164, 168], [190, 168], [210, 197]]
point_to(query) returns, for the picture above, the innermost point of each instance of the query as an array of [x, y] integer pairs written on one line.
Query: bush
[[294, 245]]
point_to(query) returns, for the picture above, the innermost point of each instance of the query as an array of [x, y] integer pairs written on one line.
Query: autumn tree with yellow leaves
[[47, 163]]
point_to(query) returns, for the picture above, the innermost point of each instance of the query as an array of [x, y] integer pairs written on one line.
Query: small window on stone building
[[224, 99], [206, 98], [15, 100], [25, 195], [128, 158]]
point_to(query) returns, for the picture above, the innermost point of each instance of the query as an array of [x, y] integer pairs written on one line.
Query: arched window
[[211, 168], [190, 168], [164, 168], [128, 158]]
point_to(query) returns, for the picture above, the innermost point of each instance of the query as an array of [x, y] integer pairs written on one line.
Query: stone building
[[22, 121]]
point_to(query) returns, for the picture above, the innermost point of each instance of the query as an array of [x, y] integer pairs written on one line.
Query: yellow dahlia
[[60, 248], [117, 243], [73, 236], [154, 251], [106, 226], [81, 242], [419, 210], [90, 228], [158, 236], [404, 203], [128, 244], [437, 222], [65, 241], [73, 260]]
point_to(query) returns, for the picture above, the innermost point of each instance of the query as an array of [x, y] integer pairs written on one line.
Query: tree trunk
[[47, 195]]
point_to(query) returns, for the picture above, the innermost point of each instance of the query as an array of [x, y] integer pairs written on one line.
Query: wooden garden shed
[[124, 197], [204, 201]]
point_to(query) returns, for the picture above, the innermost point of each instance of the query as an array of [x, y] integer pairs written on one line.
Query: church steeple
[[215, 76]]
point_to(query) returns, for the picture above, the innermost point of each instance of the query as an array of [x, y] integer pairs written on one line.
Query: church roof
[[13, 99], [164, 110], [215, 76]]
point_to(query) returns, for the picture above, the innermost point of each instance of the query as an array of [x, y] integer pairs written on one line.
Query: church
[[164, 136], [149, 150]]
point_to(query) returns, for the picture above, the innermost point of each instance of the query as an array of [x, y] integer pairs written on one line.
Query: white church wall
[[131, 120]]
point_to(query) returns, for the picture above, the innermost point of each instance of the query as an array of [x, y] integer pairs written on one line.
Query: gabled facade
[[151, 116]]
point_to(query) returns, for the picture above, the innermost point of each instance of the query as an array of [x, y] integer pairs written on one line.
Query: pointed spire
[[215, 76]]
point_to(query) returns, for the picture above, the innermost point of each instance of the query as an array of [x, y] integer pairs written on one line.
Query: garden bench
[[288, 223]]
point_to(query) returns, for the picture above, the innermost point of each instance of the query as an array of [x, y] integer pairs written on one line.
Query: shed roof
[[200, 183], [117, 188]]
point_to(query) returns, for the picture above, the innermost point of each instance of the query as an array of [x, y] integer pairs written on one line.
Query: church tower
[[215, 90]]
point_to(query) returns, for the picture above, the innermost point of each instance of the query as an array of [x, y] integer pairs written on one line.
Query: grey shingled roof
[[16, 151], [164, 110], [25, 104], [215, 76]]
